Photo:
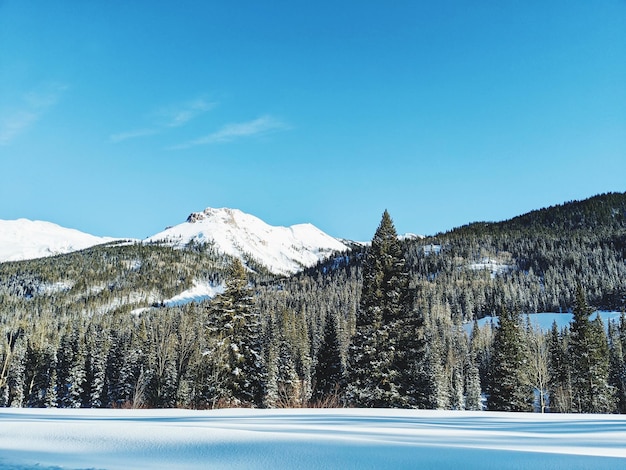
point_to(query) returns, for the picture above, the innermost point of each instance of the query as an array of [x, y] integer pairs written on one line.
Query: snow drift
[[308, 439]]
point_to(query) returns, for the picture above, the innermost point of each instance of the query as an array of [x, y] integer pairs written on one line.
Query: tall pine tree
[[559, 371], [617, 347], [588, 352], [506, 386], [328, 370], [238, 326], [388, 341]]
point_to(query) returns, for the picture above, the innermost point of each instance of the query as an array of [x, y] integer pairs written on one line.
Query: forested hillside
[[382, 325]]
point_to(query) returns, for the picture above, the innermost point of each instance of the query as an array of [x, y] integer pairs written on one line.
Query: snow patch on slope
[[283, 250], [494, 267], [27, 239], [199, 292]]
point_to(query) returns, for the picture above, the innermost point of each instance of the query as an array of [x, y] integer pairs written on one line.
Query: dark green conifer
[[328, 370], [239, 330], [506, 387], [617, 375], [560, 383], [386, 351], [588, 352]]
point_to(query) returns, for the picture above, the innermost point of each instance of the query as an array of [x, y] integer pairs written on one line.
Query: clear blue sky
[[119, 118]]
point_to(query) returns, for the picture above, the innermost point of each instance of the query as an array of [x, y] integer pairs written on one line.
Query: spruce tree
[[506, 385], [559, 371], [602, 393], [388, 341], [328, 370], [617, 347], [283, 388], [588, 352], [238, 327], [473, 391]]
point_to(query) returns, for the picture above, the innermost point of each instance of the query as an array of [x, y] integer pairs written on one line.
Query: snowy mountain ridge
[[24, 239], [282, 250]]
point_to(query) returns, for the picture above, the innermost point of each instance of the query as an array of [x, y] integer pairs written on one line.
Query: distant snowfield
[[544, 321], [308, 439], [29, 239]]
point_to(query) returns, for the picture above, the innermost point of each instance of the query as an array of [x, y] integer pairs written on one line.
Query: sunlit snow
[[544, 321], [494, 267], [283, 250], [308, 439], [27, 239], [199, 292]]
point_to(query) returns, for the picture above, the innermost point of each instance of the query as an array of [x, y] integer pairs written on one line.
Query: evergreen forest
[[391, 323]]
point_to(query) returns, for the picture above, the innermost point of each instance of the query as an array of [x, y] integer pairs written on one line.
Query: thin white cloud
[[174, 116], [31, 107], [14, 124], [230, 132], [181, 115]]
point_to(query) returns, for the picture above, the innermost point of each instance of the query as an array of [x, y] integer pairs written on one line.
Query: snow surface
[[308, 439], [544, 320], [494, 267], [432, 249], [29, 239], [283, 250], [199, 292]]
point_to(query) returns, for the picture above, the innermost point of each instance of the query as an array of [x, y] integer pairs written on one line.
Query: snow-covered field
[[311, 438], [544, 321]]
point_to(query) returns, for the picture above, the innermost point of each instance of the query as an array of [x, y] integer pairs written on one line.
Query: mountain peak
[[282, 250], [23, 239], [223, 213]]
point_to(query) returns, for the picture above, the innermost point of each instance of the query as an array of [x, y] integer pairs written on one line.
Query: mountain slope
[[282, 250], [24, 239], [605, 212]]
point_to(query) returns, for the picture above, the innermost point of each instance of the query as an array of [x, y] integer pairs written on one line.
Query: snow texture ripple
[[308, 439]]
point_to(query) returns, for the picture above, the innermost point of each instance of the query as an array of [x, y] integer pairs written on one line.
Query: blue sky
[[120, 118]]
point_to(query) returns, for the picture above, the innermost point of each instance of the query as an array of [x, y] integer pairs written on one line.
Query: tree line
[[380, 326]]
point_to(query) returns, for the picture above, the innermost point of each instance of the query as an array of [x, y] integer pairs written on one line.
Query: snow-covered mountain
[[27, 239], [283, 250]]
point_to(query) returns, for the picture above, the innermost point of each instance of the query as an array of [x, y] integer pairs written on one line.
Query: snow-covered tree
[[387, 346], [236, 335], [507, 389], [589, 358], [328, 370]]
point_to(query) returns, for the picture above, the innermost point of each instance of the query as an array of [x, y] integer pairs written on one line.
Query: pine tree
[[328, 370], [473, 392], [239, 345], [617, 376], [473, 398], [16, 375], [283, 389], [50, 400], [388, 339], [559, 371], [71, 368], [602, 393], [506, 386], [98, 346], [588, 352]]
